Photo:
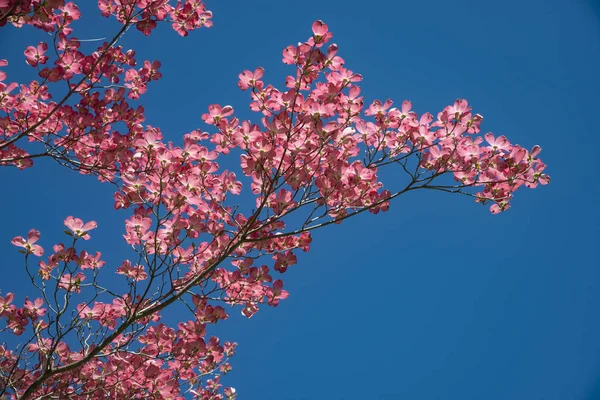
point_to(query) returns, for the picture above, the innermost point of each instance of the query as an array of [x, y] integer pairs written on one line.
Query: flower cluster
[[313, 157], [81, 135]]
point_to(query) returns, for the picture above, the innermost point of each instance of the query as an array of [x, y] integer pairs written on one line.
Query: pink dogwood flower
[[251, 79], [78, 228], [29, 246], [71, 283], [36, 55]]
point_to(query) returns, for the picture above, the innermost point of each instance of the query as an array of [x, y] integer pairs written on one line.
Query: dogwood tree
[[311, 158]]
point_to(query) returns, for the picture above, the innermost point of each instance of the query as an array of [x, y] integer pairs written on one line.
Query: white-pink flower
[[78, 228], [29, 246]]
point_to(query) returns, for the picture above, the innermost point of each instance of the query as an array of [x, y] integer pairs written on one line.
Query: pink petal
[[319, 28], [535, 151], [37, 250], [89, 226], [18, 241], [33, 236]]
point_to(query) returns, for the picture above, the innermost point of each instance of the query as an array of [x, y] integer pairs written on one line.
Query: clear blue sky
[[437, 299]]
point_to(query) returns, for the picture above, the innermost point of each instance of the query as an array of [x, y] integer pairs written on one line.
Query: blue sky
[[436, 299]]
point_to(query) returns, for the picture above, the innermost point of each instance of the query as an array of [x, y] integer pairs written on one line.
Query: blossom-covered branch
[[315, 156]]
